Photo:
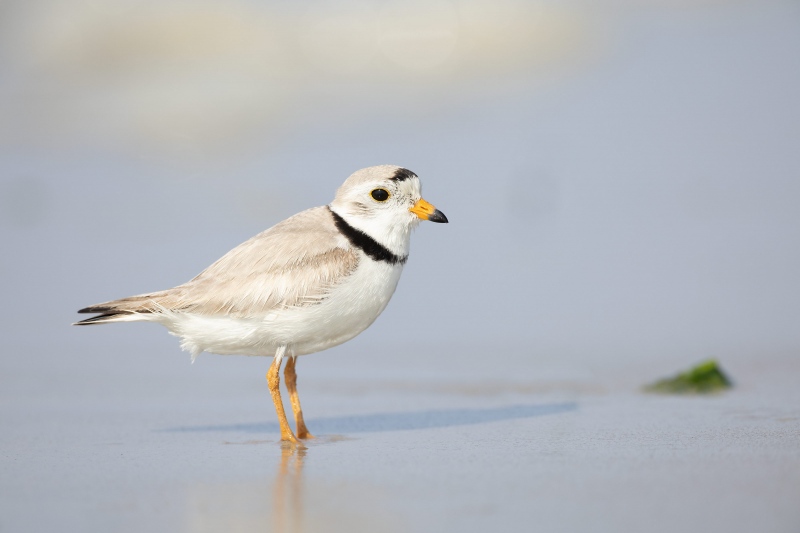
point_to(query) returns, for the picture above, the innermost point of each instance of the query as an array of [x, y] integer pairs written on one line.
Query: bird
[[308, 283]]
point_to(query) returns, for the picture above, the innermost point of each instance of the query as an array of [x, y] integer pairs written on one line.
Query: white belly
[[350, 308]]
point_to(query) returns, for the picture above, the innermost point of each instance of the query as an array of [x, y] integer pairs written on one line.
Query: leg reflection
[[288, 490]]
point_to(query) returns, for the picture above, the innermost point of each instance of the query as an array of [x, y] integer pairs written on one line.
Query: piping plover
[[309, 283]]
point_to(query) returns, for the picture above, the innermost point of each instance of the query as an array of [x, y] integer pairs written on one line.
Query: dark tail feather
[[107, 313], [95, 309], [107, 317], [122, 310]]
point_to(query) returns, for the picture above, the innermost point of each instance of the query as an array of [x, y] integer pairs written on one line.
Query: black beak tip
[[438, 216]]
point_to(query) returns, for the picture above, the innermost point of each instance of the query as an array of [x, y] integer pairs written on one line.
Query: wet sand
[[622, 194], [158, 444]]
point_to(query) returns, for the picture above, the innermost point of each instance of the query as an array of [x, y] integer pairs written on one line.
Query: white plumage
[[309, 283]]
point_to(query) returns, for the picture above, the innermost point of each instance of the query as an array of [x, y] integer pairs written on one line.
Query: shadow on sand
[[292, 509], [379, 422]]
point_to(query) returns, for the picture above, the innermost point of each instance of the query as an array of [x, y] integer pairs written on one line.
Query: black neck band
[[365, 243]]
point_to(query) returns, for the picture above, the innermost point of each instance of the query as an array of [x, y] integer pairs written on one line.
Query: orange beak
[[426, 211]]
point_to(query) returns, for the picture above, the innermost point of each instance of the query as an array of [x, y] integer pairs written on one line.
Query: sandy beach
[[621, 180]]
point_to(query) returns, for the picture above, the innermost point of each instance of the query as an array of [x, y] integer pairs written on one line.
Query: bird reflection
[[287, 492]]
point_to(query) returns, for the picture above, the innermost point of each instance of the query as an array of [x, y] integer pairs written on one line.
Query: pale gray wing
[[293, 264]]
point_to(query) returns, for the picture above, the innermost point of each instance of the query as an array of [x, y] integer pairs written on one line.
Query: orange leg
[[291, 385], [274, 383]]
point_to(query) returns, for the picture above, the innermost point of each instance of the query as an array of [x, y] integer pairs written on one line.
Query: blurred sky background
[[622, 177]]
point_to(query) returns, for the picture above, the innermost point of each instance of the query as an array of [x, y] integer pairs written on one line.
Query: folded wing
[[293, 264]]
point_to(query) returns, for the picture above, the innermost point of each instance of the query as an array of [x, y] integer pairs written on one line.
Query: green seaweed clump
[[705, 378]]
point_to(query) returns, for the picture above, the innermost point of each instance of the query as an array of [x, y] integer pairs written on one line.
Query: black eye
[[380, 195]]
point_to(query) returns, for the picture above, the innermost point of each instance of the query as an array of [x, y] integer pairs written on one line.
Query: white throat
[[387, 228]]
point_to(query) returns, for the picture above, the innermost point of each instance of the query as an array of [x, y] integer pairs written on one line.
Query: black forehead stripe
[[365, 243], [403, 174]]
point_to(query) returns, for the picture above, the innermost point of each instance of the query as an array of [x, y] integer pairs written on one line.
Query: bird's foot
[[292, 443]]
